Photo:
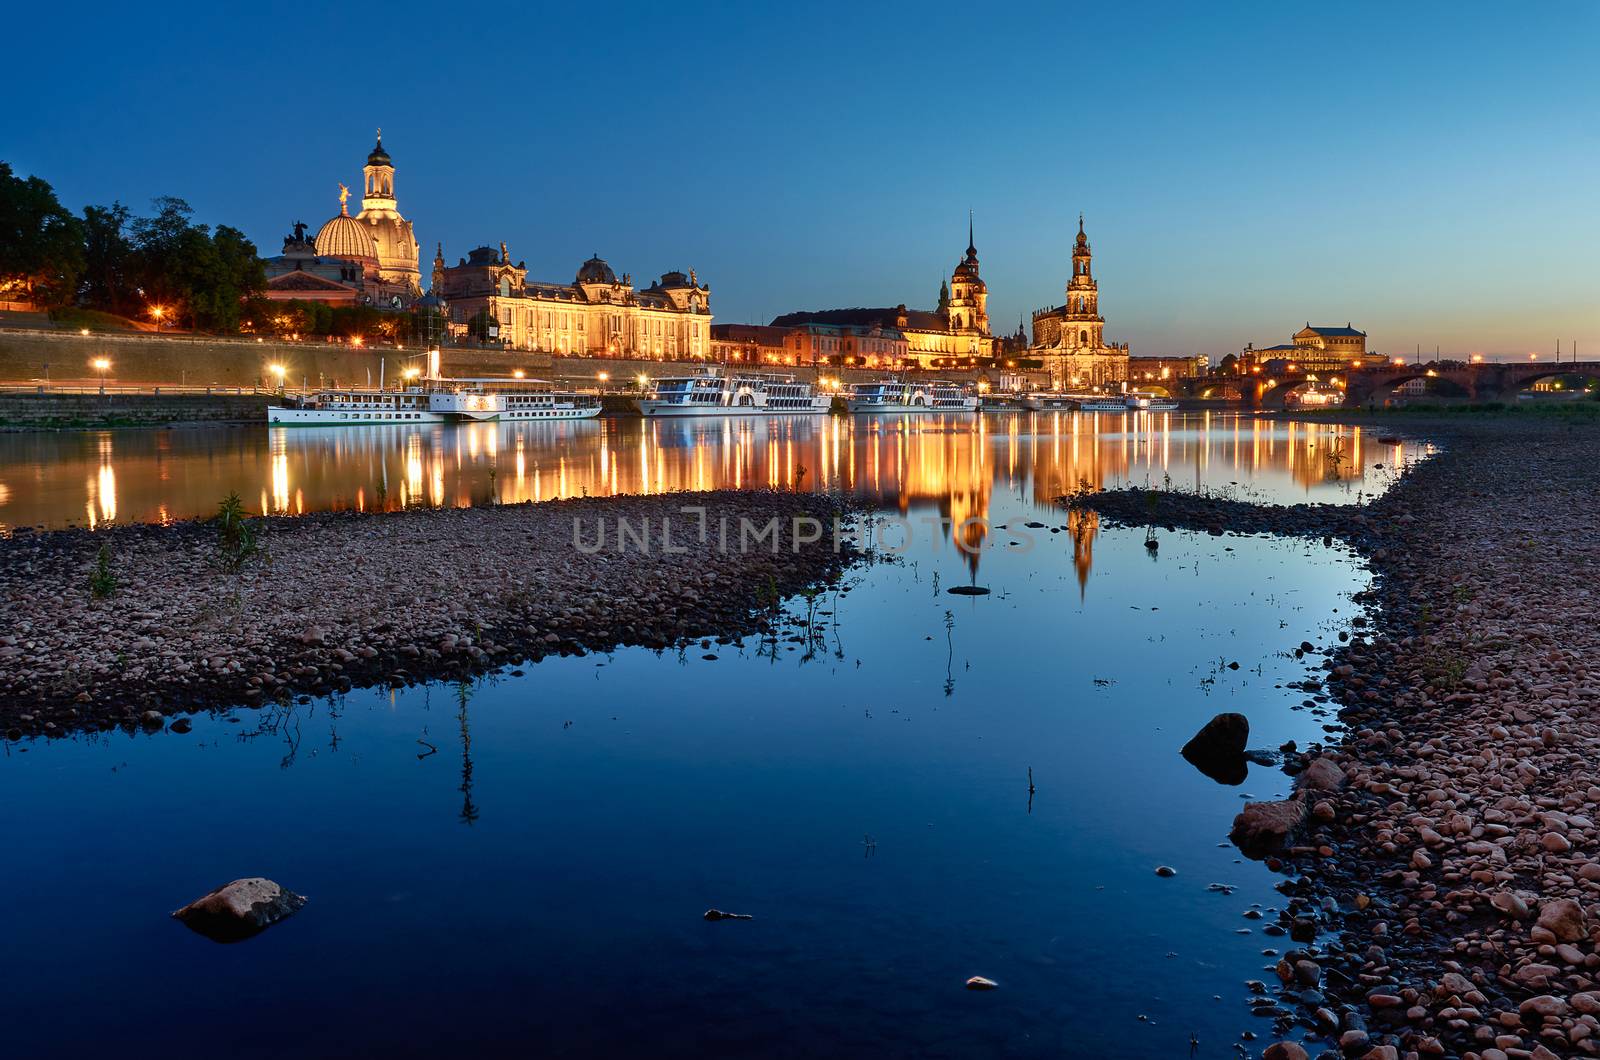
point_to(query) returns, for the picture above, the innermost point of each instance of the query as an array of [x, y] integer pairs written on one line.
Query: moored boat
[[894, 396], [712, 393], [433, 401]]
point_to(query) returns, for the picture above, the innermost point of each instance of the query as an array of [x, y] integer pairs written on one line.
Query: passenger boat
[[434, 401], [1046, 401], [1104, 405], [712, 393], [893, 396], [1147, 404], [536, 399]]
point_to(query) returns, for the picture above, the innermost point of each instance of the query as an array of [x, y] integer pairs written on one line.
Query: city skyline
[[1365, 176]]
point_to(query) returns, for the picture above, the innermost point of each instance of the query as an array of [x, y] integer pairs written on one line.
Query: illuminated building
[[957, 330], [370, 258], [1325, 348], [596, 315], [1070, 338], [1153, 370]]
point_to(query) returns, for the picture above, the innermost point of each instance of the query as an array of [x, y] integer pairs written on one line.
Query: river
[[520, 865]]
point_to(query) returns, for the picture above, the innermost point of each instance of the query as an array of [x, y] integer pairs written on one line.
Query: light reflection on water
[[532, 855], [527, 860], [952, 465]]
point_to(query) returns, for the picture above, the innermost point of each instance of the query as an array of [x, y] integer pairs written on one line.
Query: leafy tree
[[201, 276], [108, 282], [235, 274], [41, 244]]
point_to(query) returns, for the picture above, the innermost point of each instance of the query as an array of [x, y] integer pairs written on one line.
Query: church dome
[[595, 270], [379, 157], [345, 237]]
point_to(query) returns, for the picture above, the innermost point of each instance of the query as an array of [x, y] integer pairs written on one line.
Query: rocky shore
[[344, 600], [1443, 869]]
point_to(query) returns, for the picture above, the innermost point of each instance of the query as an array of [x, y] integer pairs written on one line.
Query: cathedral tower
[[396, 245], [968, 309], [1082, 325]]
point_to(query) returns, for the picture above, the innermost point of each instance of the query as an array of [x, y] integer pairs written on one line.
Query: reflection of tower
[[469, 810], [1083, 525]]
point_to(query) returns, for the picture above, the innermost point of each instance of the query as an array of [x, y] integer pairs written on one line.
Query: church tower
[[968, 308], [1082, 324], [391, 233]]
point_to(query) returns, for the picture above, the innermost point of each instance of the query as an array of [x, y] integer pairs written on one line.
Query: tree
[[197, 275], [41, 244], [234, 274], [108, 283]]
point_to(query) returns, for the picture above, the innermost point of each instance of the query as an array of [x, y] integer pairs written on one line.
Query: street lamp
[[278, 372], [158, 312], [101, 365]]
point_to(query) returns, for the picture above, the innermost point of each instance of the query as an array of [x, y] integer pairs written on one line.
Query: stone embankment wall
[[138, 359], [47, 411]]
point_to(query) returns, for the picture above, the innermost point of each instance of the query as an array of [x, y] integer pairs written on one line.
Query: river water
[[520, 866]]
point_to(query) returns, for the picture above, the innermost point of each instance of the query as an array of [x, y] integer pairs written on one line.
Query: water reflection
[[927, 468]]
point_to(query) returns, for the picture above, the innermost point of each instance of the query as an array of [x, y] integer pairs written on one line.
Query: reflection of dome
[[596, 271], [345, 237]]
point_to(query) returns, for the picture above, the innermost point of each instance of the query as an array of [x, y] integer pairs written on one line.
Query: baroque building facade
[[1315, 348], [955, 331], [367, 259], [1070, 338], [596, 315]]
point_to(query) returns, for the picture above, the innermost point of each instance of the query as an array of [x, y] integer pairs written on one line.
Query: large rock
[[1563, 918], [1217, 750], [1284, 1051], [1263, 828], [1321, 774], [240, 909]]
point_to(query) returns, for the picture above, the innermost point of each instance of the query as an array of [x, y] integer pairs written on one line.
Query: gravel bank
[[1445, 901], [349, 600]]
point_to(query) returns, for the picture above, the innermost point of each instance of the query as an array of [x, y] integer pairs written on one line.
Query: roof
[[345, 237], [1323, 330], [305, 281], [886, 317], [595, 270], [758, 333]]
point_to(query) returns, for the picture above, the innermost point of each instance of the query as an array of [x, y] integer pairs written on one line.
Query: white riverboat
[[434, 401], [893, 396], [536, 399], [711, 393], [1151, 404], [1049, 401], [1104, 405]]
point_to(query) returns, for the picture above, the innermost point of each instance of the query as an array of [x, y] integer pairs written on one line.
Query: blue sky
[[1429, 171]]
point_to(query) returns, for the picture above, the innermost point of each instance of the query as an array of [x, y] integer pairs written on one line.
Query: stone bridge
[[1483, 381]]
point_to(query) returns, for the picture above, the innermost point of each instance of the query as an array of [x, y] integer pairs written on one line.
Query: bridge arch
[[1524, 381]]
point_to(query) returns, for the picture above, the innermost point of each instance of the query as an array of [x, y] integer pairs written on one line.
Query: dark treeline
[[162, 268], [112, 261]]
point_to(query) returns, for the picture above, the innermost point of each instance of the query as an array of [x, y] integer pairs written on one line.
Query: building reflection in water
[[923, 468]]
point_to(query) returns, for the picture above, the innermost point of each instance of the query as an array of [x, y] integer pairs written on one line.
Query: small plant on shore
[[380, 493], [102, 580], [236, 538], [494, 492], [800, 479]]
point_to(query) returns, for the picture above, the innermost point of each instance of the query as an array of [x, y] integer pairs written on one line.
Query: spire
[[1080, 222], [971, 247]]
